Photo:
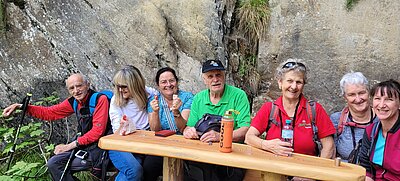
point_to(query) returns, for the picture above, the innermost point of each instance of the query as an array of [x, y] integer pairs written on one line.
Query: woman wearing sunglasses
[[128, 113], [167, 111], [293, 106]]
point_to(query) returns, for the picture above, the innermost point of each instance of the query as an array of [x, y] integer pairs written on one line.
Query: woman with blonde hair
[[127, 113]]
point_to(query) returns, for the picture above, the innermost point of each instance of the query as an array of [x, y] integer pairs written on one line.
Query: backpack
[[100, 166], [354, 156], [310, 108], [208, 122], [93, 100], [343, 122]]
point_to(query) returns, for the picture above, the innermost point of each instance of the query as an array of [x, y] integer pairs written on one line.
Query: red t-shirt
[[303, 132], [64, 109]]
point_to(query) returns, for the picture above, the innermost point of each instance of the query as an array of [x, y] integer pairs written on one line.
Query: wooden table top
[[243, 156]]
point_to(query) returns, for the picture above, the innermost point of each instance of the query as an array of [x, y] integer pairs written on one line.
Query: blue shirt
[[379, 149], [186, 98]]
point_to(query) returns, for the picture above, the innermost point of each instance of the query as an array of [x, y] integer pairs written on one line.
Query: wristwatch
[[177, 115], [77, 143]]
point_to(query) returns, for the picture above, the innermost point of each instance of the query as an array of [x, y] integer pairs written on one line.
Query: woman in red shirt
[[292, 105]]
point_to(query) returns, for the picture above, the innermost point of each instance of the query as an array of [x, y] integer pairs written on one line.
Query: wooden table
[[175, 148]]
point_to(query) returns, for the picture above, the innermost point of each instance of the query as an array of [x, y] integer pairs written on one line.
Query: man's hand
[[61, 148], [211, 135], [190, 133], [10, 109]]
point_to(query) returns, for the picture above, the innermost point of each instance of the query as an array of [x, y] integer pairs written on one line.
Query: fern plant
[[32, 148]]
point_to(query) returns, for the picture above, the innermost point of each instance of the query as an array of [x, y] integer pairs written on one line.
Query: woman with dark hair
[[167, 111], [129, 102], [380, 149]]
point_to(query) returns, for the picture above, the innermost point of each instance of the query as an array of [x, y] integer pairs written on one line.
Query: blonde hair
[[129, 75]]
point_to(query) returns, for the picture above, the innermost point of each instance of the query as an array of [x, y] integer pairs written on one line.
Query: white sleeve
[[151, 91], [115, 113]]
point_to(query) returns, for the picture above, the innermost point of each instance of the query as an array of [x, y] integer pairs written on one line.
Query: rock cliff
[[45, 41]]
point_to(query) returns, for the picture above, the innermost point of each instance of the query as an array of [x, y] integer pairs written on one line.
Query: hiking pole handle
[[24, 107]]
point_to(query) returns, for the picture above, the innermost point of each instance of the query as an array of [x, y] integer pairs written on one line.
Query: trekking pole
[[71, 156], [24, 107]]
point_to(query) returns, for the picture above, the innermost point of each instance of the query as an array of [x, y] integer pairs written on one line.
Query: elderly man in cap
[[216, 99]]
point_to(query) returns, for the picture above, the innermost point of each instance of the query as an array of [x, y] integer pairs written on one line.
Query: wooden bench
[[175, 148]]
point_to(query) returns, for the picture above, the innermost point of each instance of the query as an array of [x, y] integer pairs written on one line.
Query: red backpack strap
[[273, 114], [342, 120]]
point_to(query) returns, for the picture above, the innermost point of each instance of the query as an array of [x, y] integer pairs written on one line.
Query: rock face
[[46, 41]]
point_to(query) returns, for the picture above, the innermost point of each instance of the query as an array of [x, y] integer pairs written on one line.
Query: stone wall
[[46, 41]]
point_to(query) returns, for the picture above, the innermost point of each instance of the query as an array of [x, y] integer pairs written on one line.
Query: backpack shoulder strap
[[375, 128], [273, 114], [72, 101], [93, 101], [343, 118], [311, 112]]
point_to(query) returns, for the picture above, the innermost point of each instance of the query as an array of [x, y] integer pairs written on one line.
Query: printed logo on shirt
[[305, 124]]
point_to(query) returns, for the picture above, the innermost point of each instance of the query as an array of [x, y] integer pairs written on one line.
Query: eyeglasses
[[121, 86], [292, 64]]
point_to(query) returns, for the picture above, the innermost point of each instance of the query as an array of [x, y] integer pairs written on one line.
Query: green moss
[[350, 4], [2, 16]]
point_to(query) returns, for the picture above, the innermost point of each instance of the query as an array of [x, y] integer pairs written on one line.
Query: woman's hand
[[176, 103], [155, 104], [277, 147]]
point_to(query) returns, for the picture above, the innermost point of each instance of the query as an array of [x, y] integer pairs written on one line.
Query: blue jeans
[[128, 164]]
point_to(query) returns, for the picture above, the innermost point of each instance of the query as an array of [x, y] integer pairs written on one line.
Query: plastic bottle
[[225, 142], [122, 131], [287, 131], [128, 127]]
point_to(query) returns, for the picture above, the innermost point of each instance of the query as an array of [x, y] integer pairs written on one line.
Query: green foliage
[[253, 18], [32, 146], [2, 16], [247, 63], [350, 4]]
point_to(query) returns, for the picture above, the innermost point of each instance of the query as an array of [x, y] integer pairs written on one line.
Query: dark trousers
[[152, 167], [56, 166], [196, 171]]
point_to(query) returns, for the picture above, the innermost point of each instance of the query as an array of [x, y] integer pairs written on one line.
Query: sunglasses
[[121, 86], [292, 64]]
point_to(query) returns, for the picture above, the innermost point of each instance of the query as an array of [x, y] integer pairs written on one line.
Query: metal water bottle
[[225, 142]]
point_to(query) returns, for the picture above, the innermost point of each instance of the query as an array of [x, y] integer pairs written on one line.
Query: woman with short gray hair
[[291, 109], [351, 122]]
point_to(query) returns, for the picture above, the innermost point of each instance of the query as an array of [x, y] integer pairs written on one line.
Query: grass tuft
[[253, 18]]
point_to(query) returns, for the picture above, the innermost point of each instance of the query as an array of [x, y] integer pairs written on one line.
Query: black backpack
[[354, 156], [208, 122]]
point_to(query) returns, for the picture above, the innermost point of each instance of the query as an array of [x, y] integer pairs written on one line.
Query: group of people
[[370, 120]]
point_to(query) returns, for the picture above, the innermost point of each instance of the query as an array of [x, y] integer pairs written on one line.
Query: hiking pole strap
[[24, 107]]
